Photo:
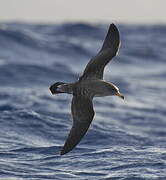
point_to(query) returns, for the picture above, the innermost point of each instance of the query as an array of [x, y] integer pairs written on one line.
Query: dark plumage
[[89, 85]]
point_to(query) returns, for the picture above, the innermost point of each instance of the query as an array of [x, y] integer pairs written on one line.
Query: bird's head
[[116, 91], [119, 94], [56, 88]]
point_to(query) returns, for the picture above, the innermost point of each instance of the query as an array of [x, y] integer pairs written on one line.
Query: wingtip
[[113, 26], [112, 38], [62, 153]]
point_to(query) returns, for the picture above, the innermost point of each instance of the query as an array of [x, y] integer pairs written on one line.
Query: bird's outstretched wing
[[83, 113], [95, 67]]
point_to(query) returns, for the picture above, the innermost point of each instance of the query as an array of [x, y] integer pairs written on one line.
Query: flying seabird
[[89, 85]]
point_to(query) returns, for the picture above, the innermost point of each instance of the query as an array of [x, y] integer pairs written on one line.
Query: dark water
[[127, 139]]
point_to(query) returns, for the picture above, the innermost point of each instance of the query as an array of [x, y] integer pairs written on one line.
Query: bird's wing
[[83, 113], [95, 67]]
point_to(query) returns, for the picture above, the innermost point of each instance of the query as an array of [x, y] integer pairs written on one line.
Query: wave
[[126, 139]]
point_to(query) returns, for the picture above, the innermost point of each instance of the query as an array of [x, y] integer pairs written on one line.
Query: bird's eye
[[114, 90]]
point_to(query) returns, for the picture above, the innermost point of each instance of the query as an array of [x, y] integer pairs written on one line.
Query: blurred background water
[[126, 140]]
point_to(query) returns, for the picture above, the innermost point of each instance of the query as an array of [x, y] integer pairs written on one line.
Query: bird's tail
[[54, 88]]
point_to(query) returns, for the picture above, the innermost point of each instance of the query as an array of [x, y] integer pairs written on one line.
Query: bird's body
[[89, 88], [89, 85]]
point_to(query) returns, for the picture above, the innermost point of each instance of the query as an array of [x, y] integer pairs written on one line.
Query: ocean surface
[[126, 140]]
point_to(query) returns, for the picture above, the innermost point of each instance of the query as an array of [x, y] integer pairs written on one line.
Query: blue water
[[126, 140]]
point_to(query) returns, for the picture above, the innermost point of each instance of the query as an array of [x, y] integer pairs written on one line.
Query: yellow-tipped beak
[[120, 95]]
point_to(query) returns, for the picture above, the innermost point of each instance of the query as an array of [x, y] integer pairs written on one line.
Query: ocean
[[126, 140]]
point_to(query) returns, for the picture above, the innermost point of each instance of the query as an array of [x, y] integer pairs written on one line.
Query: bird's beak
[[120, 95]]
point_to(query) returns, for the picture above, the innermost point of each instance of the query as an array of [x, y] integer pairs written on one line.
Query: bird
[[91, 84]]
